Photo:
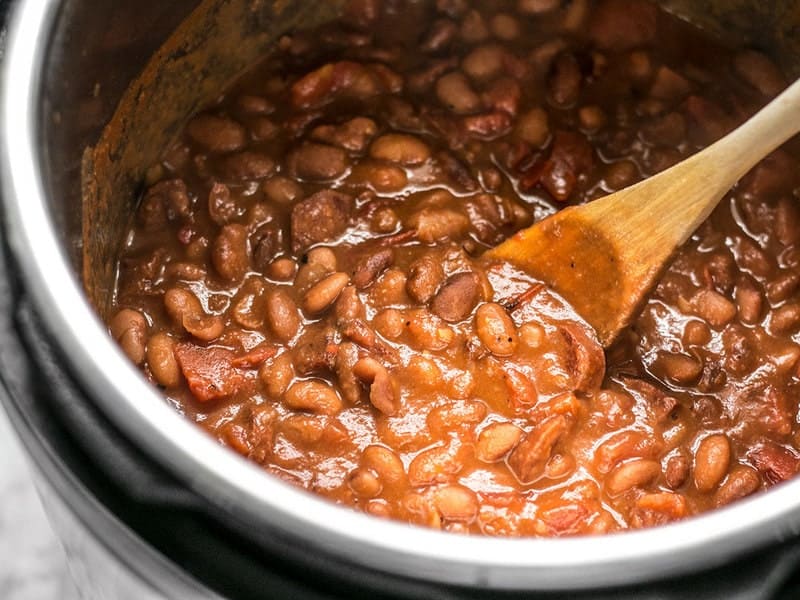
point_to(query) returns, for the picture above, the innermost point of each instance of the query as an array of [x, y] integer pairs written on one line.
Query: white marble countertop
[[32, 562]]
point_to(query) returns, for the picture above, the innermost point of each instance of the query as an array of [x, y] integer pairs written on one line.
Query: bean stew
[[304, 278]]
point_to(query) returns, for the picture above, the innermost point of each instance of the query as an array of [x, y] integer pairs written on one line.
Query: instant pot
[[149, 506]]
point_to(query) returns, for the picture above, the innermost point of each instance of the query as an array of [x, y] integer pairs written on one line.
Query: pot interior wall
[[102, 48]]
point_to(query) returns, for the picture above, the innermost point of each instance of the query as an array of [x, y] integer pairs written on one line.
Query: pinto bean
[[623, 24], [496, 440], [246, 166], [787, 221], [592, 118], [429, 331], [277, 375], [161, 360], [713, 307], [324, 294], [385, 464], [679, 368], [711, 461], [425, 276], [384, 179], [435, 465], [776, 463], [364, 483], [474, 28], [457, 297], [164, 202], [785, 319], [634, 473], [677, 471], [455, 92], [456, 503], [371, 266], [216, 134], [760, 72], [353, 135], [129, 328], [496, 329], [230, 253], [382, 392], [282, 190], [537, 7], [532, 127], [565, 80], [484, 62], [313, 396], [400, 148], [438, 224], [505, 27], [318, 162], [783, 286], [440, 35], [282, 315], [669, 85], [742, 482]]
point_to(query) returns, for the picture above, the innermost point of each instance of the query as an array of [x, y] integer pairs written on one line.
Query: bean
[[488, 126], [635, 473], [760, 72], [180, 303], [324, 294], [457, 298], [364, 483], [282, 315], [352, 135], [592, 118], [669, 85], [434, 465], [385, 220], [456, 503], [713, 307], [533, 127], [385, 464], [322, 256], [484, 62], [384, 179], [496, 440], [318, 162], [696, 333], [230, 253], [254, 105], [672, 506], [679, 368], [204, 327], [620, 174], [455, 92], [425, 276], [221, 207], [505, 27], [382, 392], [369, 267], [787, 221], [277, 375], [216, 134], [619, 447], [785, 319], [281, 190], [390, 289], [565, 80], [129, 328], [349, 307], [389, 323], [439, 36], [474, 28], [537, 7], [782, 287], [246, 166], [711, 461], [677, 471], [438, 224], [496, 329], [313, 396], [749, 301], [742, 482], [282, 269], [400, 148], [319, 218], [161, 360]]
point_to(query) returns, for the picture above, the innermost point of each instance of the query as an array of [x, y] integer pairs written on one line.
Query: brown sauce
[[304, 278]]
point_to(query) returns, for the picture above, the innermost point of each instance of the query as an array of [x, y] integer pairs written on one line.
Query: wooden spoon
[[604, 257]]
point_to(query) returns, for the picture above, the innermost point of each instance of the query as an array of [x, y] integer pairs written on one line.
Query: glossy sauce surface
[[304, 277]]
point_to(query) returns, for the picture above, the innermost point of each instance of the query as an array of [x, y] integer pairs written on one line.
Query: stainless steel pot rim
[[240, 487]]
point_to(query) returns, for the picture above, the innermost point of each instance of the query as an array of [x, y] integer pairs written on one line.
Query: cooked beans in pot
[[309, 287]]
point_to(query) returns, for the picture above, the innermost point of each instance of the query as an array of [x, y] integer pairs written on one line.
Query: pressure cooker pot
[[91, 97]]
